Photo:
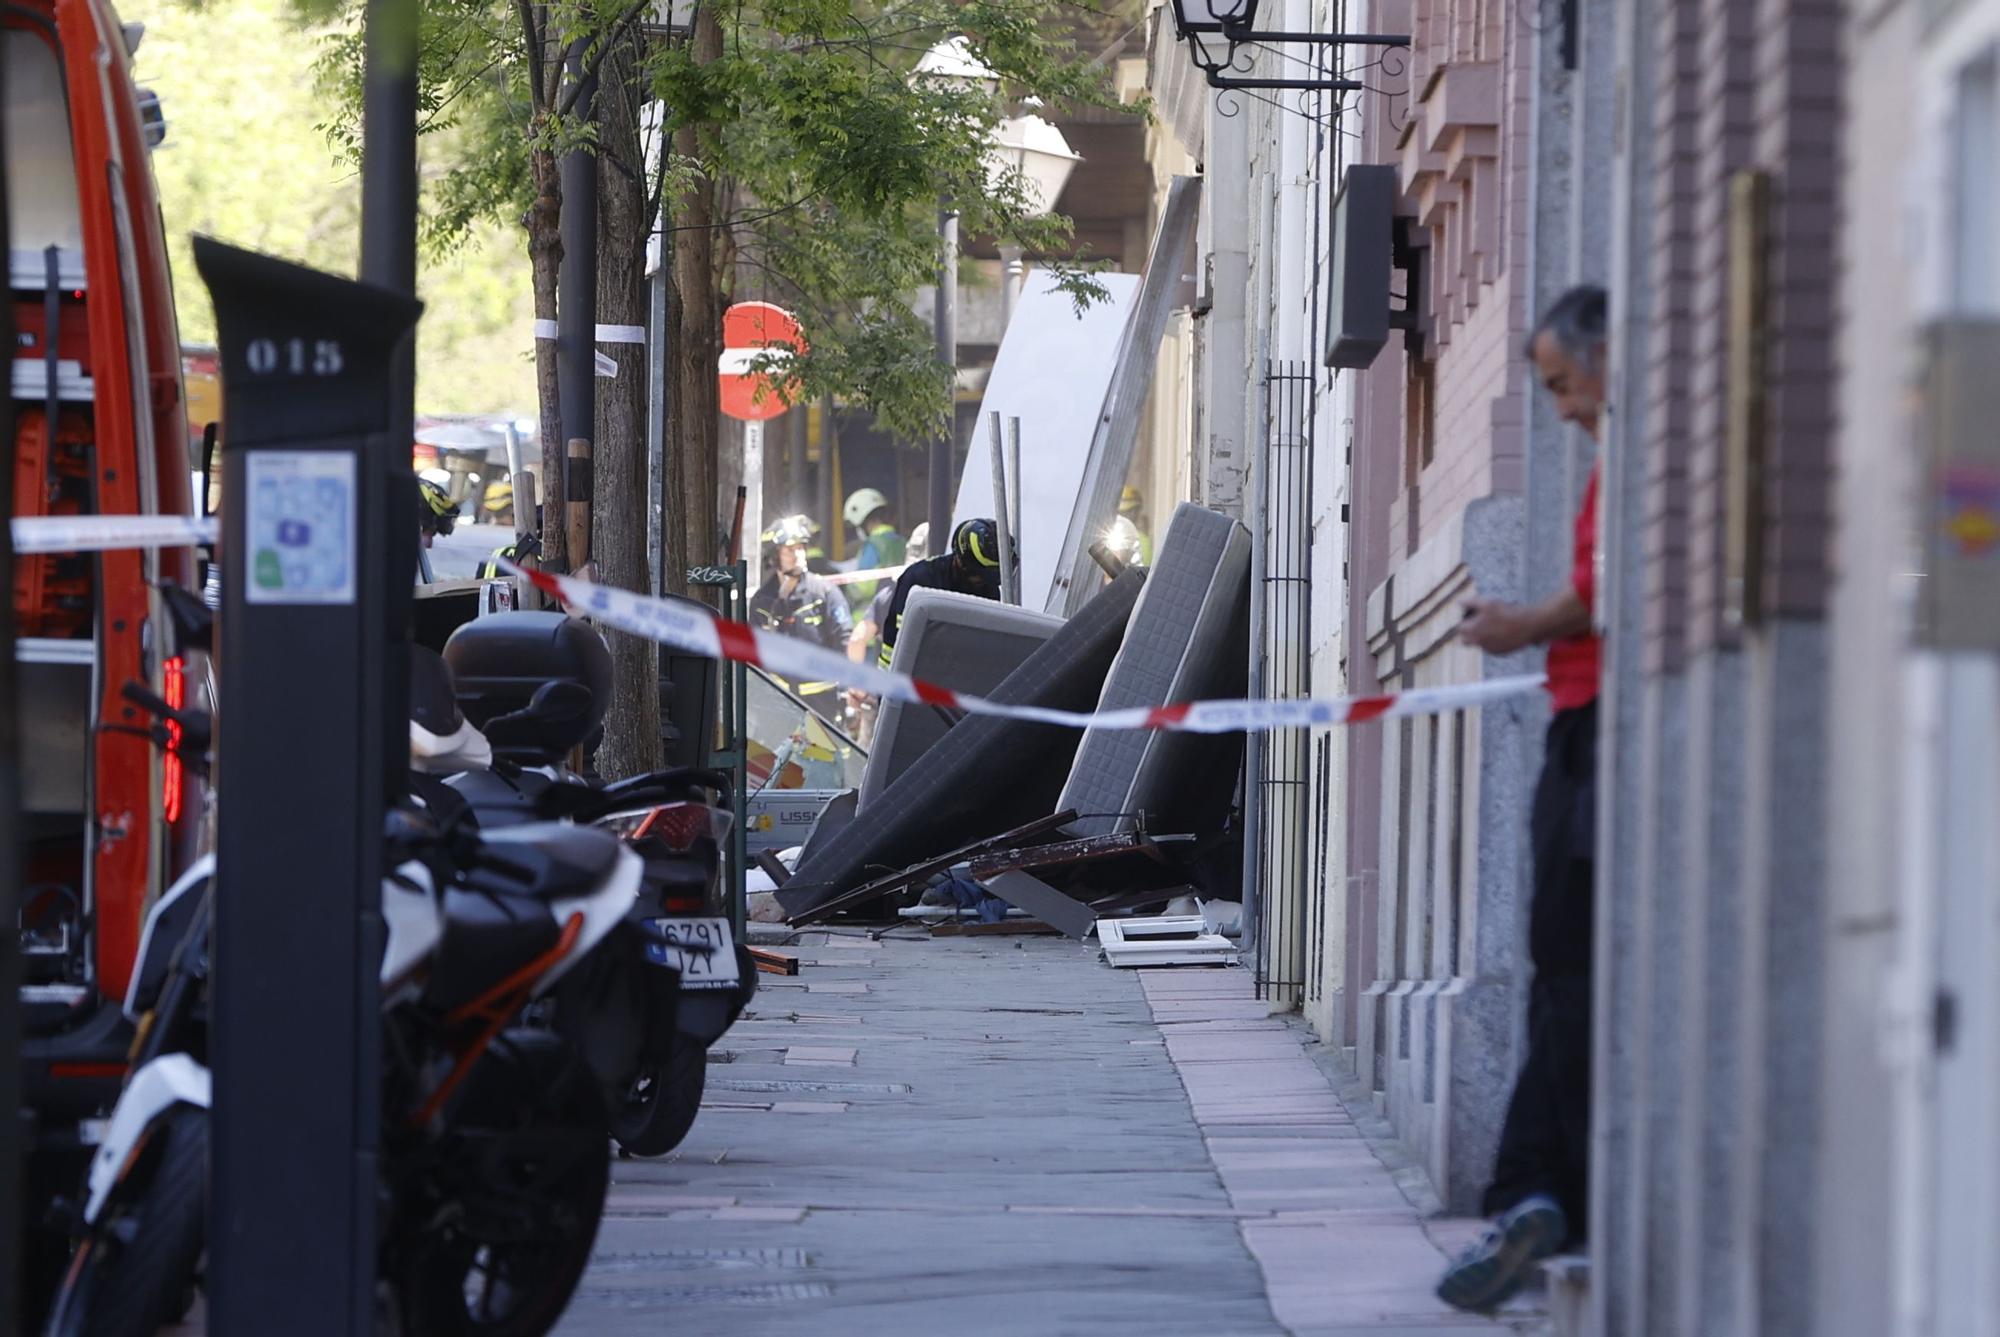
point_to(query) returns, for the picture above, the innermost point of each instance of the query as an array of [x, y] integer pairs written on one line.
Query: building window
[[1975, 204], [1419, 409], [1419, 370]]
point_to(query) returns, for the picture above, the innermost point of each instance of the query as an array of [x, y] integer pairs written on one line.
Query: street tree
[[801, 162]]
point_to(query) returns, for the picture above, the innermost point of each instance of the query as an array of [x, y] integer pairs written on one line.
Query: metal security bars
[[1316, 894], [1284, 782]]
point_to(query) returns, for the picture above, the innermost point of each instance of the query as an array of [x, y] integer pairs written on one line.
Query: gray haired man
[[1537, 1195]]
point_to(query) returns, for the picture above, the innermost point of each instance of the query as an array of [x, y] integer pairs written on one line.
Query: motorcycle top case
[[498, 663]]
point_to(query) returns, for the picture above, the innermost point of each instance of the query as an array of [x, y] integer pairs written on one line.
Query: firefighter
[[817, 561], [865, 644], [971, 565], [795, 601], [867, 510], [1128, 531], [438, 514], [522, 551]]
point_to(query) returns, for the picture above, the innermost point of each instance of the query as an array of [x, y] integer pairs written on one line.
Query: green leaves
[[246, 161], [825, 160], [837, 161]]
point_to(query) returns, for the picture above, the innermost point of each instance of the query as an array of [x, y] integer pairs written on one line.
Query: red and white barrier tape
[[872, 573], [36, 534], [695, 630]]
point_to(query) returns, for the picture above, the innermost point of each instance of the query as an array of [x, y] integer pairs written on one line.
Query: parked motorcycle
[[494, 1142], [535, 685]]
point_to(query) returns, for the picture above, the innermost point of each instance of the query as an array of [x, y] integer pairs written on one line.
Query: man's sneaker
[[1497, 1265]]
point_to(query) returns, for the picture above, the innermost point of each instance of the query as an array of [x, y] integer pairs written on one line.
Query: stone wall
[[1711, 871], [1429, 881]]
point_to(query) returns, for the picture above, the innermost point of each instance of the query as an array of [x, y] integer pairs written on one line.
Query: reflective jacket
[[814, 611], [884, 547]]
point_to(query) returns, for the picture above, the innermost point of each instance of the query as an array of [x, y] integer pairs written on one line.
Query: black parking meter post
[[319, 534]]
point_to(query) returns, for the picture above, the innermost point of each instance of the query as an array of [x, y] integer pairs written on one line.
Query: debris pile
[[1073, 829]]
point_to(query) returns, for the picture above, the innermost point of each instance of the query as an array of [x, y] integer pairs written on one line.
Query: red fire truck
[[109, 817]]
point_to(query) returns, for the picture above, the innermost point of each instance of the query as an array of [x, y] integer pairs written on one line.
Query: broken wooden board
[[771, 961], [1065, 852]]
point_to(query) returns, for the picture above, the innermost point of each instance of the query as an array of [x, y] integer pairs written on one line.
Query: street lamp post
[[944, 326], [1036, 150], [952, 63], [1013, 269], [1025, 145], [670, 21]]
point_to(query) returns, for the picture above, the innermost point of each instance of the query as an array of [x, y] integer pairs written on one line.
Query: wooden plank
[[768, 861], [771, 961], [1059, 852]]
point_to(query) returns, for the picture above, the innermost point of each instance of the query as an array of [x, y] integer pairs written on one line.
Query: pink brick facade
[[1463, 163], [1439, 466]]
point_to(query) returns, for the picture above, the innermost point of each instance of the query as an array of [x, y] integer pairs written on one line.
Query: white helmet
[[919, 544], [861, 504]]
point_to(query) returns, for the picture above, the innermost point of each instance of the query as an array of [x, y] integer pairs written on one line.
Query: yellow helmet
[[1129, 501]]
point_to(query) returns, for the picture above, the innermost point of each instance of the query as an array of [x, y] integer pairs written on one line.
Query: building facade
[[1386, 864], [1796, 207]]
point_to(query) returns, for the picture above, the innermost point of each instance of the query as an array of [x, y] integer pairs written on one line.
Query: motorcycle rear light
[[81, 1071], [679, 825], [175, 684]]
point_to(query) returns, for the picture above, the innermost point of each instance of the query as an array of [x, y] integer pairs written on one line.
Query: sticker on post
[[700, 949], [300, 525]]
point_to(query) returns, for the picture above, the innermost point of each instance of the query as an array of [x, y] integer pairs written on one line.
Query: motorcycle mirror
[[194, 621]]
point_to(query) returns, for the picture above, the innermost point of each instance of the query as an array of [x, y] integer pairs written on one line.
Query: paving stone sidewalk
[[1005, 1136]]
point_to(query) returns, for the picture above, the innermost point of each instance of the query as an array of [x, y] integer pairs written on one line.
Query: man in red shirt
[[1538, 1191]]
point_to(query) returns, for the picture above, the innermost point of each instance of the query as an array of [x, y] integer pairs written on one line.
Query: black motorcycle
[[495, 1142], [534, 686]]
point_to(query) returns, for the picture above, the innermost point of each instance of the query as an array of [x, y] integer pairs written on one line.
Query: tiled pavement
[[1341, 1248], [1005, 1136]]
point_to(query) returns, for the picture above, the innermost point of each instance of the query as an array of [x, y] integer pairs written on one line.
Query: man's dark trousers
[[1545, 1143]]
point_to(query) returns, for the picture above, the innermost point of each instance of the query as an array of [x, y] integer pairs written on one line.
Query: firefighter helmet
[[977, 543], [439, 512], [861, 504]]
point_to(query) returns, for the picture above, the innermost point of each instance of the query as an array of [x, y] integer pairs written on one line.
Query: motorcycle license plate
[[701, 949]]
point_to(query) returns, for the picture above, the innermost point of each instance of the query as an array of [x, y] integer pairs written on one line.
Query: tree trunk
[[697, 339], [631, 743], [544, 224]]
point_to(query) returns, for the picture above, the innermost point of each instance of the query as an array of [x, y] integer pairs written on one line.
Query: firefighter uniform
[[809, 608]]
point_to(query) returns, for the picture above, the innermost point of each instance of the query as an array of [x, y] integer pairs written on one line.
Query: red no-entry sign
[[748, 330]]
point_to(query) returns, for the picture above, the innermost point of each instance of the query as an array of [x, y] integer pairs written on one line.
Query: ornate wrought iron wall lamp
[[1201, 22]]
